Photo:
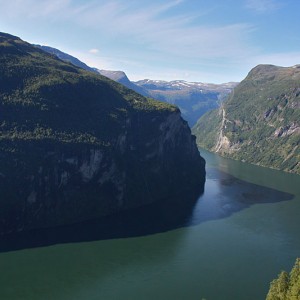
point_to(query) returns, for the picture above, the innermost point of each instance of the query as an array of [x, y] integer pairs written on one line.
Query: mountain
[[121, 77], [260, 122], [76, 145], [193, 98], [67, 57], [118, 76]]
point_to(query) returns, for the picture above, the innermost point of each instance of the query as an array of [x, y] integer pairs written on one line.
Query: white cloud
[[262, 6], [94, 51], [142, 25], [174, 35], [29, 9]]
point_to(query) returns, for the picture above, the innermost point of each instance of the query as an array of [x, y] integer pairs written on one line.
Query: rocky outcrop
[[75, 146]]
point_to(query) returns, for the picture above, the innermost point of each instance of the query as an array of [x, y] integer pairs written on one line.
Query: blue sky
[[194, 40]]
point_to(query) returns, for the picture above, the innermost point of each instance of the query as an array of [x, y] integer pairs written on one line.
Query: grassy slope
[[261, 114]]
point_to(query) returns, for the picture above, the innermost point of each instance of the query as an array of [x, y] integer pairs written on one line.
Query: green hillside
[[260, 122], [36, 86]]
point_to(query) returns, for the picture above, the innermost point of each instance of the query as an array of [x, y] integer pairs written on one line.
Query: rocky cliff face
[[259, 123], [76, 146]]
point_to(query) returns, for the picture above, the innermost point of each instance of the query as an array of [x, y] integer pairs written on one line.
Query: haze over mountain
[[260, 122], [192, 98], [67, 57], [76, 145]]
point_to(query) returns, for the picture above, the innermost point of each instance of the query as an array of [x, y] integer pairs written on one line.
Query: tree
[[286, 286]]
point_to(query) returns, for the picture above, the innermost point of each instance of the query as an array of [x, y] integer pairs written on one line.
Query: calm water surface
[[242, 231]]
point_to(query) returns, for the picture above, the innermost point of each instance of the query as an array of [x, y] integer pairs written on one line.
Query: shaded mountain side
[[260, 122], [67, 57], [75, 145]]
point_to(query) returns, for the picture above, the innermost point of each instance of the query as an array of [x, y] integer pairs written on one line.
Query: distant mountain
[[193, 98], [75, 145], [121, 77], [185, 85], [260, 121], [67, 57]]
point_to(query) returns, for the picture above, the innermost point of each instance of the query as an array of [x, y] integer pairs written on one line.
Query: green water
[[231, 250]]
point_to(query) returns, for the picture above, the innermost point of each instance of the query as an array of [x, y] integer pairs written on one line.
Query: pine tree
[[286, 286], [279, 287], [294, 286]]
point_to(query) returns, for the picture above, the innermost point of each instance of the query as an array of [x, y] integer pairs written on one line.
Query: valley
[[105, 190]]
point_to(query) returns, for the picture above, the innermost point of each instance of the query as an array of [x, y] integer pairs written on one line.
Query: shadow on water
[[224, 195]]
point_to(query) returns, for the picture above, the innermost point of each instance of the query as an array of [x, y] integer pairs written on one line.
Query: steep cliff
[[260, 122], [75, 145]]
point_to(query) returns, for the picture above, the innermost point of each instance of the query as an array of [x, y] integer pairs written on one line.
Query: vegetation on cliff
[[75, 145], [287, 285], [259, 123]]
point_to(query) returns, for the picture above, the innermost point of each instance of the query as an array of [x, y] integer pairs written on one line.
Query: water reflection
[[224, 195]]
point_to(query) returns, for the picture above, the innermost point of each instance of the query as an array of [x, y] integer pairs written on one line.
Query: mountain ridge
[[66, 57]]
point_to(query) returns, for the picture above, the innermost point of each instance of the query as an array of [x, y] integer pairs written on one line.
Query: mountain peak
[[263, 73], [114, 75]]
